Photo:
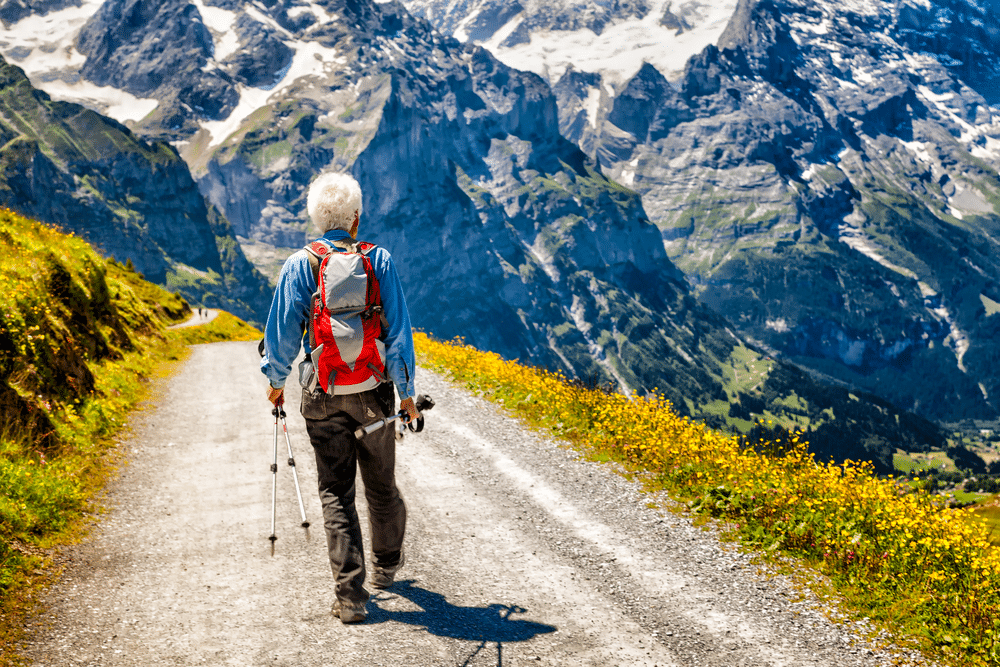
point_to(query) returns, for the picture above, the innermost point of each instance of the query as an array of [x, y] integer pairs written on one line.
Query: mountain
[[610, 37], [826, 176], [71, 167], [505, 232]]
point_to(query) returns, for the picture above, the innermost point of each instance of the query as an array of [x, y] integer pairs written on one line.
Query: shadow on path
[[491, 624]]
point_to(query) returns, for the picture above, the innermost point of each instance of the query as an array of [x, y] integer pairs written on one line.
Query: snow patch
[[863, 76], [968, 198], [264, 19], [220, 23], [45, 45], [627, 177], [919, 150], [311, 8], [931, 96], [991, 151], [619, 51], [112, 102], [310, 59], [460, 33], [821, 28], [593, 104], [778, 325]]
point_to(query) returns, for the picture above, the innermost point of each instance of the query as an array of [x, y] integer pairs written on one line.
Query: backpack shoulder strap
[[317, 252], [319, 249]]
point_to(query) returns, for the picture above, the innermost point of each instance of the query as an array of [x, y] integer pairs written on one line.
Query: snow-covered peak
[[612, 38], [44, 47]]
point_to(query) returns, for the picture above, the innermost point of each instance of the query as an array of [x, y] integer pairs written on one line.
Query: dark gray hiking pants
[[331, 422]]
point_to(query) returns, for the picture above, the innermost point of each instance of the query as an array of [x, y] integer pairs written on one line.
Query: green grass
[[80, 336], [940, 461], [965, 497], [224, 327], [989, 512], [904, 463], [749, 370]]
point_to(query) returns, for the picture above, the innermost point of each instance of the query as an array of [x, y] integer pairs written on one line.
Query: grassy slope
[[79, 336], [989, 512], [224, 327]]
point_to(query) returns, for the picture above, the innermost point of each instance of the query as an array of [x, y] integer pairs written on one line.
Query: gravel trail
[[518, 553], [208, 315]]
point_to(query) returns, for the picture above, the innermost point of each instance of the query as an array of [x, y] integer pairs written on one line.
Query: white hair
[[333, 202]]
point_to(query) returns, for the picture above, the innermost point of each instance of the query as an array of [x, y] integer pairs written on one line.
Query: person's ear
[[354, 227]]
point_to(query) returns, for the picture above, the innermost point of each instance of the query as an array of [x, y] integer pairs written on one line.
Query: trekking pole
[[423, 403], [291, 463], [274, 474]]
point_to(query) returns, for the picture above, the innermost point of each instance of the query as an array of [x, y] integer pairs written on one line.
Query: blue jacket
[[287, 322]]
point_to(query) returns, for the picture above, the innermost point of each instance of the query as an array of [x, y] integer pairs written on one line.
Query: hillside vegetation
[[926, 572], [79, 335]]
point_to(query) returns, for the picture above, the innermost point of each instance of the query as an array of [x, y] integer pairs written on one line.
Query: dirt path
[[206, 316], [518, 554]]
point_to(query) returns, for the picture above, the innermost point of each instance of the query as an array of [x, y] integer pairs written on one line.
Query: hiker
[[347, 382]]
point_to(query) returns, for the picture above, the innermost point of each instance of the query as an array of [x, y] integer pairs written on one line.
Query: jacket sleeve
[[287, 318], [398, 337]]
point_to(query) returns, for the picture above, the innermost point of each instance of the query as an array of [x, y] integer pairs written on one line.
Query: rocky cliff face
[[504, 232], [610, 37], [826, 176], [479, 20], [12, 11], [66, 165]]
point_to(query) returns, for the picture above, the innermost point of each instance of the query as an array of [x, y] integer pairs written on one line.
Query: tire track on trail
[[518, 553]]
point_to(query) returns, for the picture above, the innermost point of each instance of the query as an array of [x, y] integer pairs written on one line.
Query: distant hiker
[[346, 297], [199, 313]]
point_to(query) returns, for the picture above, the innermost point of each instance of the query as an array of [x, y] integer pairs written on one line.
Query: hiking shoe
[[350, 612], [382, 577]]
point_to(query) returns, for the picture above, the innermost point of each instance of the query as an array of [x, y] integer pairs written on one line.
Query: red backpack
[[346, 318]]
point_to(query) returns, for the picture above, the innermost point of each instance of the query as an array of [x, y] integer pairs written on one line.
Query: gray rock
[[12, 11], [160, 49], [816, 131], [262, 57]]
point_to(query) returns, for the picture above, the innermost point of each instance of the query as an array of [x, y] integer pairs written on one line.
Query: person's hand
[[411, 409], [276, 396]]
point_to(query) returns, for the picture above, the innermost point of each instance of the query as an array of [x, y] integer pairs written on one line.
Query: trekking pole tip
[[273, 538], [305, 524]]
